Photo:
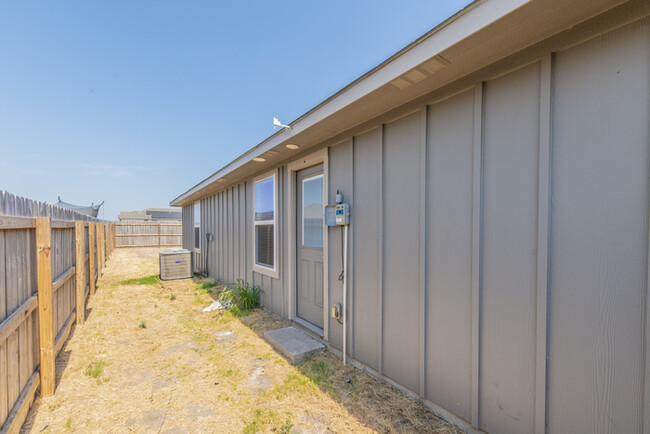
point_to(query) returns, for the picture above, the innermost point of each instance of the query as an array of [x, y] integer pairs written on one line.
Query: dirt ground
[[148, 359]]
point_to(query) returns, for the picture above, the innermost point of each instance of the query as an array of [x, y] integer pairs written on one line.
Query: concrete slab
[[293, 344]]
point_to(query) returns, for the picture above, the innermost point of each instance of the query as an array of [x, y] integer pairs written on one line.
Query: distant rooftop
[[151, 214]]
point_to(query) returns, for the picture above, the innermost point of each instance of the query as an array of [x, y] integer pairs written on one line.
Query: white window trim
[[196, 250], [263, 269]]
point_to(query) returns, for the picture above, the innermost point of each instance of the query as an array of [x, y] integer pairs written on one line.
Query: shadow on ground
[[373, 402]]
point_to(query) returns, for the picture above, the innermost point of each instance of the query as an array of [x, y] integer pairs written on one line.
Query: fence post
[[158, 235], [91, 256], [80, 268], [45, 313], [102, 248], [98, 233]]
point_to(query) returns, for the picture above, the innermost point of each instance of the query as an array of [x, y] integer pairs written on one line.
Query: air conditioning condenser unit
[[175, 264]]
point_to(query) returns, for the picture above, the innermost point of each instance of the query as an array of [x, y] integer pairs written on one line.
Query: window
[[197, 226], [312, 212], [264, 209]]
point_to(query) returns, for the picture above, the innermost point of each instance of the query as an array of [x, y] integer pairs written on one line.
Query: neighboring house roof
[[466, 44], [91, 210], [151, 214]]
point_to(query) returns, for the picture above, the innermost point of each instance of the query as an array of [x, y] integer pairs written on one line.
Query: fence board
[[147, 234], [13, 372], [4, 404], [3, 283]]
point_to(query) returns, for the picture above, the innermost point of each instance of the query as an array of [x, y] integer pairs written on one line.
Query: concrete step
[[293, 344]]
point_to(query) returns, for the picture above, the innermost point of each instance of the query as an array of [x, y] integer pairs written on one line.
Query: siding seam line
[[543, 232], [476, 251], [423, 247]]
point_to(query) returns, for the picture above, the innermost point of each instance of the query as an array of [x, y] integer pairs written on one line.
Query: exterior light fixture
[[259, 159], [292, 146]]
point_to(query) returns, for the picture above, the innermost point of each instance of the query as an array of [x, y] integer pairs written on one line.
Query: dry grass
[[191, 371]]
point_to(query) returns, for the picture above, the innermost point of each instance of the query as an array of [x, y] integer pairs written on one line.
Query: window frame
[[194, 218], [273, 272]]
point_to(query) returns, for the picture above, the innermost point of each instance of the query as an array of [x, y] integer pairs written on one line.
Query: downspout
[[208, 238], [345, 290]]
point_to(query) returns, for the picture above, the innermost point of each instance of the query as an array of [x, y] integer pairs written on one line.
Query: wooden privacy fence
[[48, 269], [148, 234]]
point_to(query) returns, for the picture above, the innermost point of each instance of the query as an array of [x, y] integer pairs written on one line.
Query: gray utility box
[[175, 264]]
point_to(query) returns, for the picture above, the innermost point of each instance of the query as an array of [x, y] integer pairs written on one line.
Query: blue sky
[[133, 102]]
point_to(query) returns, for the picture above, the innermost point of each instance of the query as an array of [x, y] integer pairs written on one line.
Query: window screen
[[264, 211], [264, 240]]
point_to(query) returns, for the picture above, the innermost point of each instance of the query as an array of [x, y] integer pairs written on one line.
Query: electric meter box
[[342, 211], [337, 215]]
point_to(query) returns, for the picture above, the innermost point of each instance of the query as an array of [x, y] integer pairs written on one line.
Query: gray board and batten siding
[[498, 244]]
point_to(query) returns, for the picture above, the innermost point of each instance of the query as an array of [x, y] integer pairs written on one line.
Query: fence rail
[[48, 270], [148, 234]]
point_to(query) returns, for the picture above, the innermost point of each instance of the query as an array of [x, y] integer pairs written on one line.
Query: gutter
[[479, 14]]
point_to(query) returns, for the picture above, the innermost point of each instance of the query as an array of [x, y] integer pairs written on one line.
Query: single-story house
[[497, 175], [151, 215]]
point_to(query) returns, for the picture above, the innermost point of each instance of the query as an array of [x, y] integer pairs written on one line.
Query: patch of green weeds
[[293, 383], [56, 404], [286, 426], [142, 325], [95, 369], [172, 297], [148, 280], [206, 287], [319, 372], [265, 356], [198, 299], [261, 420], [68, 423]]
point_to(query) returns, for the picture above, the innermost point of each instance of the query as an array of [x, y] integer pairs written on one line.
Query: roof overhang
[[481, 34]]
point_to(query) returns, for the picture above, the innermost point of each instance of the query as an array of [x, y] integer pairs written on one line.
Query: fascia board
[[467, 22]]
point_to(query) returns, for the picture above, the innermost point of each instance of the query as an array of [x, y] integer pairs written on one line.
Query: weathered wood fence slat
[[148, 234], [50, 260]]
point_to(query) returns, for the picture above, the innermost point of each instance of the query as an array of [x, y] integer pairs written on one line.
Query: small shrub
[[142, 325], [172, 297], [249, 295], [239, 297]]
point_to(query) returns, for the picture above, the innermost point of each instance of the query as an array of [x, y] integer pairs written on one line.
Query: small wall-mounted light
[[259, 159], [292, 146]]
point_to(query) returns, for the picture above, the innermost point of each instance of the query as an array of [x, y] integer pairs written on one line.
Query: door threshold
[[309, 326]]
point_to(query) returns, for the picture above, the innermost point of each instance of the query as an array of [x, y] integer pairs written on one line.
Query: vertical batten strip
[[380, 265], [423, 247], [350, 277], [543, 233], [476, 249]]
